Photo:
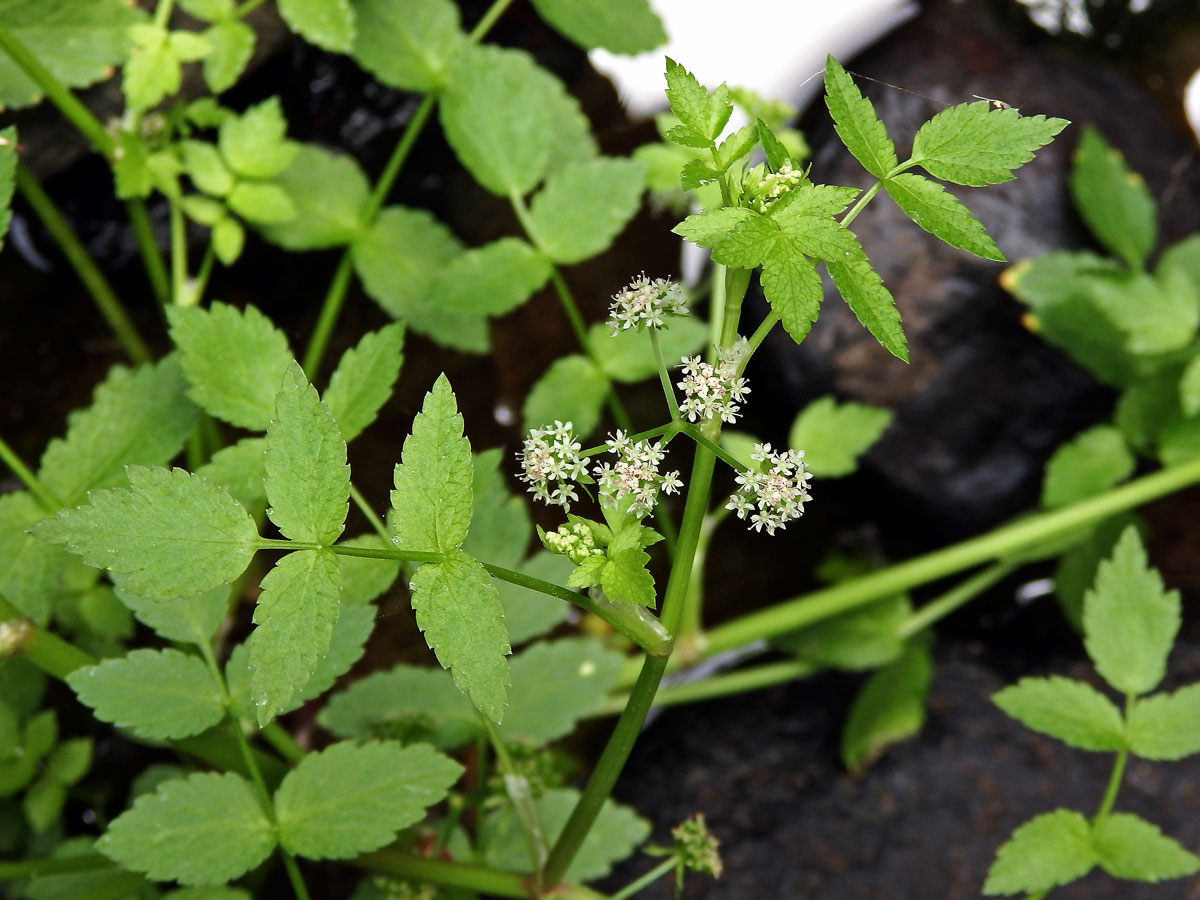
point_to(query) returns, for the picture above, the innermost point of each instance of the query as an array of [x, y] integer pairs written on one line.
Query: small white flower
[[550, 461], [712, 392], [634, 473], [646, 303], [773, 498]]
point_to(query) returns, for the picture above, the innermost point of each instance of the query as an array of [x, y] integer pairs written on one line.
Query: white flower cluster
[[551, 455], [574, 541], [713, 391], [635, 472], [776, 184], [646, 303], [775, 497]]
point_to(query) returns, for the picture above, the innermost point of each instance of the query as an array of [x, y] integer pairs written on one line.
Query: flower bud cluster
[[550, 462], [775, 184], [773, 498], [646, 303], [712, 392], [696, 848], [634, 473], [574, 541]]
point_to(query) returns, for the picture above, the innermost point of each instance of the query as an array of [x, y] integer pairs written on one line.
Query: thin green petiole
[[755, 340], [521, 797], [85, 267], [860, 204], [367, 510], [179, 260], [664, 375], [663, 868], [40, 492]]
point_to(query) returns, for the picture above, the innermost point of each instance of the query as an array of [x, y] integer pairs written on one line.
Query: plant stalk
[[666, 866]]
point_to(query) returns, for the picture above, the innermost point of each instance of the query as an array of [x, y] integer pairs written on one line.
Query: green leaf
[[703, 115], [556, 684], [8, 168], [1071, 711], [500, 524], [208, 10], [571, 390], [205, 829], [138, 417], [1129, 620], [295, 616], [43, 803], [203, 164], [191, 620], [407, 702], [1089, 464], [1166, 726], [1076, 569], [1154, 314], [350, 799], [327, 23], [399, 257], [330, 193], [431, 505], [460, 614], [834, 435], [583, 207], [529, 614], [494, 117], [1127, 846], [889, 708], [1112, 199], [228, 239], [486, 281], [1049, 850], [1189, 388], [940, 213], [261, 203], [240, 468], [792, 286], [232, 46], [152, 71], [710, 227], [234, 360], [1147, 406], [628, 355], [346, 645], [856, 122], [620, 26], [254, 144], [861, 639], [363, 580], [31, 571], [613, 836], [156, 694], [79, 41], [308, 481], [625, 577], [410, 47], [363, 380], [1179, 441], [974, 144], [172, 533], [695, 174], [871, 302], [776, 153]]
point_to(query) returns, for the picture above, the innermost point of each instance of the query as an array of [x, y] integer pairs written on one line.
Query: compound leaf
[[1127, 846], [254, 144], [351, 798], [460, 613], [940, 213], [834, 435], [1112, 199], [1166, 726], [307, 479], [156, 694], [232, 46], [1049, 850], [411, 46], [974, 144], [856, 122], [205, 829], [327, 23], [1129, 620], [295, 616], [702, 115], [138, 417], [620, 26], [431, 505], [583, 207], [234, 360], [871, 302], [364, 378], [172, 533], [1073, 712]]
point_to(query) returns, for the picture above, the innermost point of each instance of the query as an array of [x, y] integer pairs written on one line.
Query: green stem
[[1114, 777], [248, 7], [521, 797], [367, 510], [664, 376], [690, 639], [11, 870], [50, 653], [152, 258], [716, 310], [40, 493], [1006, 542], [484, 25], [859, 205], [162, 12], [739, 682], [85, 267], [946, 603], [179, 261], [756, 339], [666, 866], [283, 742], [480, 879]]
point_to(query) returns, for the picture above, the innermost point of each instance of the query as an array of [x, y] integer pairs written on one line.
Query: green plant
[[438, 781], [1129, 625]]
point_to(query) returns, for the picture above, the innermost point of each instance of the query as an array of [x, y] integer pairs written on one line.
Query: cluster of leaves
[[1129, 623]]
